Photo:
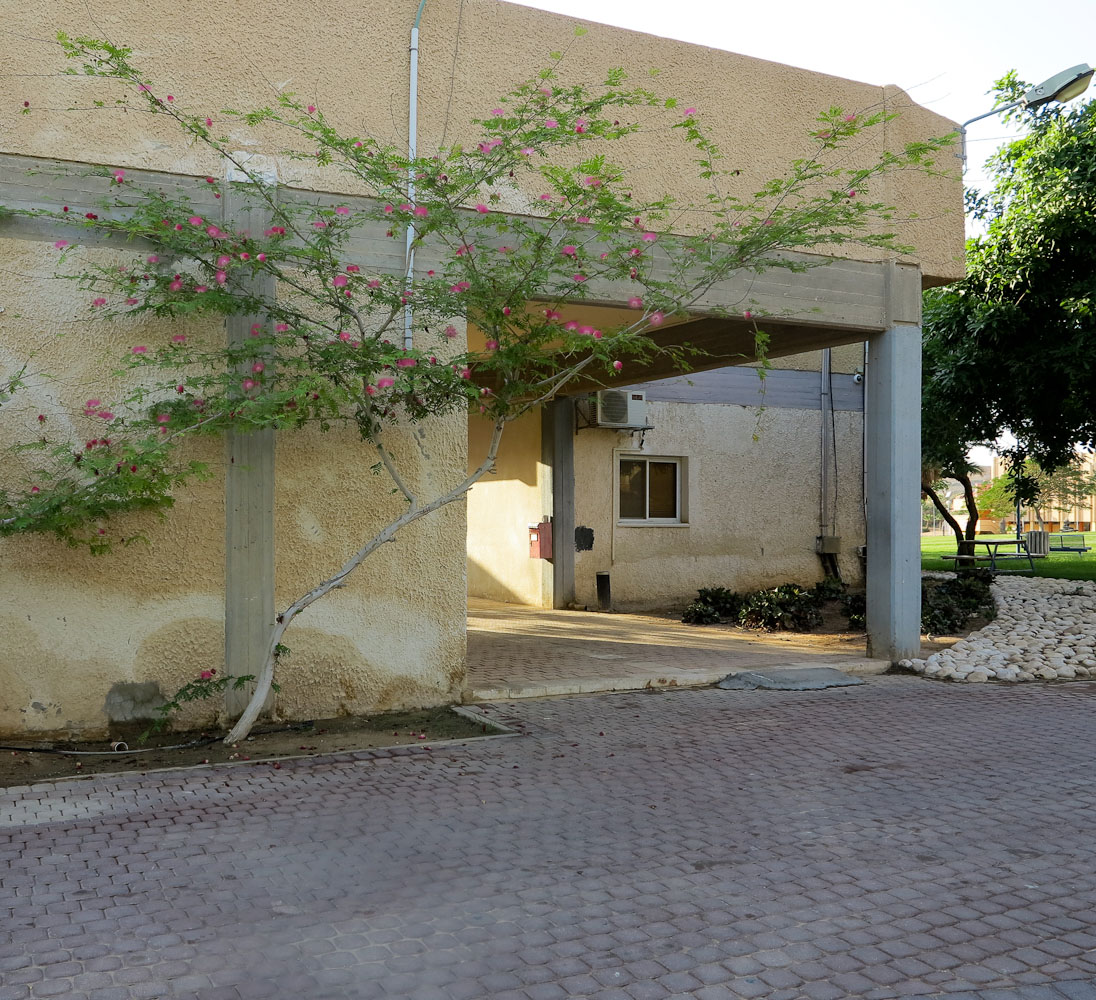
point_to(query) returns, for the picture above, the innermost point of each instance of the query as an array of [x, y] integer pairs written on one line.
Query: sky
[[944, 53]]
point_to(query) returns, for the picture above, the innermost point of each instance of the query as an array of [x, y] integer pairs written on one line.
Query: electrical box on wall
[[540, 540], [828, 545], [622, 408]]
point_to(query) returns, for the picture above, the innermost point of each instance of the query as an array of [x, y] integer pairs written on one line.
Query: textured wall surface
[[351, 60], [753, 505]]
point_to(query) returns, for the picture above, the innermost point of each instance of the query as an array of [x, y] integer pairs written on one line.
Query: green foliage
[[855, 607], [789, 607], [947, 605], [206, 685], [1013, 345]]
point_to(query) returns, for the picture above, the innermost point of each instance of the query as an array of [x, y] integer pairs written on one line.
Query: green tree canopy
[[1012, 347]]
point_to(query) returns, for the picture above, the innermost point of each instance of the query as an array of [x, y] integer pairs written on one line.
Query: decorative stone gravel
[[1045, 630]]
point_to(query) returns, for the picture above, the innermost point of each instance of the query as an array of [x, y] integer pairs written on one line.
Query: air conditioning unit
[[621, 408]]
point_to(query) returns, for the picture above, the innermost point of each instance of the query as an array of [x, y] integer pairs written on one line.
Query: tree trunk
[[928, 491]]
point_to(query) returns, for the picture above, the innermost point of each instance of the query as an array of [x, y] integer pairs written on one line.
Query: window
[[650, 489]]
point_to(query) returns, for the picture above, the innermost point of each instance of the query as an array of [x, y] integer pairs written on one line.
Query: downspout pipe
[[412, 152]]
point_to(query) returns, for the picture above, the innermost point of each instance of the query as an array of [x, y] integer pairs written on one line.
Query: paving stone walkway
[[521, 652], [900, 838]]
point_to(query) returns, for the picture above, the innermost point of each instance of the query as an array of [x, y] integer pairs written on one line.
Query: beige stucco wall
[[73, 625], [351, 59], [501, 507], [753, 505]]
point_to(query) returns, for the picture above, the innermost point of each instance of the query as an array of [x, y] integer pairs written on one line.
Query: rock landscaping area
[[1045, 630]]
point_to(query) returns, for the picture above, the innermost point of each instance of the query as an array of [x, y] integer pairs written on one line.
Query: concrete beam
[[893, 473]]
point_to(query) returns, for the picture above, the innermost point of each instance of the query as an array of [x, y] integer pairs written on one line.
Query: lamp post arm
[[962, 154]]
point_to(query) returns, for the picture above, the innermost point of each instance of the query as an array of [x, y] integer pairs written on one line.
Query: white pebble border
[[1045, 630]]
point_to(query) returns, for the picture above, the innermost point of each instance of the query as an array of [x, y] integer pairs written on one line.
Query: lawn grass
[[1058, 565]]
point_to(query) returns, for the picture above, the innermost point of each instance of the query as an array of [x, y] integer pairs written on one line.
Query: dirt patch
[[25, 762]]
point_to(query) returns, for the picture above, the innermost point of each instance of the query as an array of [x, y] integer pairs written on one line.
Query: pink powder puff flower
[[585, 331], [258, 367], [352, 268], [593, 182], [93, 404], [578, 277], [465, 373], [598, 335], [170, 97], [385, 382], [450, 331], [551, 123], [545, 197], [179, 338], [388, 210], [260, 257], [281, 328], [139, 349], [767, 222], [635, 302], [201, 288], [142, 87], [340, 280], [153, 259], [406, 363], [634, 252], [528, 151], [319, 224], [852, 194], [248, 384], [505, 310], [583, 219], [492, 345], [344, 336], [223, 261], [311, 108], [482, 209], [34, 489], [375, 283], [570, 325], [119, 176], [214, 232], [656, 318], [105, 414], [747, 314], [163, 418], [245, 256], [195, 220], [569, 250], [848, 118], [371, 390], [649, 237], [175, 286], [209, 124], [618, 365], [342, 210], [221, 277], [497, 111], [422, 211], [688, 111], [206, 675], [132, 301], [61, 244], [405, 207], [99, 302]]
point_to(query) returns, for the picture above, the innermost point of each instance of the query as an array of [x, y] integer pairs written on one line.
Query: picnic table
[[1015, 549]]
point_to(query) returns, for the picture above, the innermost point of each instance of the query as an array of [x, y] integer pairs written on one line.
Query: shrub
[[789, 607], [947, 605]]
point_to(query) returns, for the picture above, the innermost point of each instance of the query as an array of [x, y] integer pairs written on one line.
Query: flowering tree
[[376, 350]]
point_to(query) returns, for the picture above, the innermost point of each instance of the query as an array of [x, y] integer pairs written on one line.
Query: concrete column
[[249, 497], [560, 418], [893, 474]]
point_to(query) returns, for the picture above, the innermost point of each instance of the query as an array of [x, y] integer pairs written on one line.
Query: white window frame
[[682, 519]]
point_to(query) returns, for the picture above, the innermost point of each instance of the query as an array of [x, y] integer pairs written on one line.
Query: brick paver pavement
[[897, 839], [517, 651]]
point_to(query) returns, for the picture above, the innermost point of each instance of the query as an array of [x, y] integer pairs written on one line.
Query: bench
[[1071, 541]]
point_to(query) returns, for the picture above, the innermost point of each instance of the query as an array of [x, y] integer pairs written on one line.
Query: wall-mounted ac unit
[[622, 408]]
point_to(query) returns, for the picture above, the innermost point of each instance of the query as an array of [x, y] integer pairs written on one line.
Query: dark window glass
[[633, 488], [662, 488]]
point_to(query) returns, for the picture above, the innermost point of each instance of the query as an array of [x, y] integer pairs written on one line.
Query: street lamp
[[1062, 87]]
